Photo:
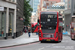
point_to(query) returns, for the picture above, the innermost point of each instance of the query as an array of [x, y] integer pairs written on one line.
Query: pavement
[[24, 39], [65, 44], [66, 32]]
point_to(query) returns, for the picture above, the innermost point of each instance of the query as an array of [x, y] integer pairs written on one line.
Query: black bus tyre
[[58, 41], [72, 39], [41, 41]]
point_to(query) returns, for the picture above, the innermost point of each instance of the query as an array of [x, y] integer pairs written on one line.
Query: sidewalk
[[66, 33], [24, 39]]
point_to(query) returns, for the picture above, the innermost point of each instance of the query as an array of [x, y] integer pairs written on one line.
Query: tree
[[27, 12]]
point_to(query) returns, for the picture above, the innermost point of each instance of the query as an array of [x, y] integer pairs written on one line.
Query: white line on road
[[69, 47], [61, 47], [57, 47], [41, 48]]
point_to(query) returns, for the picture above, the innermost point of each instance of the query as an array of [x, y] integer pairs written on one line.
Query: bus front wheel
[[42, 41], [58, 41]]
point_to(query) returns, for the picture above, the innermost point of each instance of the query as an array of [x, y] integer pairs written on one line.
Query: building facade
[[48, 3], [9, 18], [67, 16], [19, 17], [31, 3], [34, 4]]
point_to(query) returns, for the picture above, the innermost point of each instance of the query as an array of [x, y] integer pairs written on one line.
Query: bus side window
[[60, 30]]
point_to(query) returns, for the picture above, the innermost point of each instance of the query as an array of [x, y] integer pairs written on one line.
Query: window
[[60, 30], [13, 0]]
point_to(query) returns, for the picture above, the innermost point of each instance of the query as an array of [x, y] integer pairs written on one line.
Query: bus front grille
[[48, 35]]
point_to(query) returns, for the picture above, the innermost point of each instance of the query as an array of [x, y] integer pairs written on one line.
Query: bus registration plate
[[48, 40]]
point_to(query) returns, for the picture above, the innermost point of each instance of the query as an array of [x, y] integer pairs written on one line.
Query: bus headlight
[[40, 29]]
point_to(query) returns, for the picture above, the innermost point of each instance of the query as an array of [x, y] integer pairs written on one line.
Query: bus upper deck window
[[55, 16]]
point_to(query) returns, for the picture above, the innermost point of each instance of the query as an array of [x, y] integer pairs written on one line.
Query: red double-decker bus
[[72, 30], [34, 27], [50, 29]]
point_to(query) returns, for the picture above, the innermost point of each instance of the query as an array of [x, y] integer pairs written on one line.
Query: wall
[[19, 22]]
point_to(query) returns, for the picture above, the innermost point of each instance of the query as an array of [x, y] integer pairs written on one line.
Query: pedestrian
[[29, 30], [24, 29]]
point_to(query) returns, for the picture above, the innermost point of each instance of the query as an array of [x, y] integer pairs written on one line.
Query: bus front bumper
[[48, 39]]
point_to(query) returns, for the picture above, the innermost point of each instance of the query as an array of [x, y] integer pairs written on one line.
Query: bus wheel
[[41, 41], [58, 41], [72, 39]]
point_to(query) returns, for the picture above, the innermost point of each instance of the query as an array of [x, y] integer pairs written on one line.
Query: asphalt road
[[66, 44]]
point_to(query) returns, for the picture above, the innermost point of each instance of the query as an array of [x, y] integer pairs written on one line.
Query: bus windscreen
[[48, 23]]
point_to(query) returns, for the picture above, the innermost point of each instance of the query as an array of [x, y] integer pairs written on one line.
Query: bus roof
[[48, 12]]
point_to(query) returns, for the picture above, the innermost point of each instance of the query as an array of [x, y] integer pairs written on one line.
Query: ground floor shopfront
[[11, 23], [8, 23], [2, 23]]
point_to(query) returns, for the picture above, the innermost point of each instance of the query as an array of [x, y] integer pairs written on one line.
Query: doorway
[[10, 24], [2, 23]]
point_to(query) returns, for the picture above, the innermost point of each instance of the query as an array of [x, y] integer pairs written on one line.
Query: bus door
[[60, 33], [60, 30]]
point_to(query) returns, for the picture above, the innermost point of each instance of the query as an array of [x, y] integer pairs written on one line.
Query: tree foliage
[[27, 12]]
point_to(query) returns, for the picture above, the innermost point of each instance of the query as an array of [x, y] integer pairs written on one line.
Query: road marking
[[69, 47], [65, 41], [60, 47], [48, 46], [41, 48]]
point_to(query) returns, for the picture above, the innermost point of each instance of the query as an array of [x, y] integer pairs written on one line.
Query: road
[[66, 44]]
